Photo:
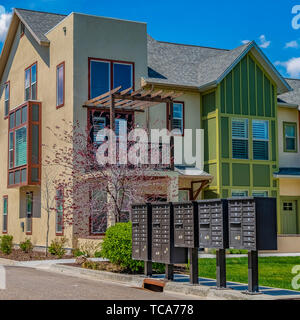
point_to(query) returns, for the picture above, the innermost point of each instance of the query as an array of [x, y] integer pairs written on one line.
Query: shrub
[[26, 246], [57, 247], [98, 254], [77, 253], [117, 248], [6, 244]]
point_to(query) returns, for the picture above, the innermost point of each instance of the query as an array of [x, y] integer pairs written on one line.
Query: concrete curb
[[171, 287], [8, 262], [98, 275]]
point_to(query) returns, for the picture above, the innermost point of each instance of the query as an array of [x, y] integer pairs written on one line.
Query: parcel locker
[[252, 223], [163, 249], [186, 224], [213, 224], [141, 232]]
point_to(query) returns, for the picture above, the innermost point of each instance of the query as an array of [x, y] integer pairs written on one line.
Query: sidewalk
[[262, 255]]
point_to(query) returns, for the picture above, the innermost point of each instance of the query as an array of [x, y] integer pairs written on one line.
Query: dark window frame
[[63, 66], [111, 72], [30, 82], [29, 218], [6, 84], [170, 117]]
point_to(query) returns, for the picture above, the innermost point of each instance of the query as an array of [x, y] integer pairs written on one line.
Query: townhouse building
[[52, 66]]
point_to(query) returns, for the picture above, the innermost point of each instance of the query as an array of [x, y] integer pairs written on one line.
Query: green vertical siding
[[209, 103], [237, 89], [261, 175], [240, 174], [260, 95], [229, 94], [252, 87], [225, 174], [223, 105], [267, 95], [225, 141], [244, 77]]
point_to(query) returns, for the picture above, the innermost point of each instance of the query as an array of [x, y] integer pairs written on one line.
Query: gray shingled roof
[[39, 23], [292, 97], [196, 66]]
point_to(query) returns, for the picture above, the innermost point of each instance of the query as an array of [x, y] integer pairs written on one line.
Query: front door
[[289, 217]]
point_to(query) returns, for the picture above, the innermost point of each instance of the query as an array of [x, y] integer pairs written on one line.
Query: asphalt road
[[32, 284]]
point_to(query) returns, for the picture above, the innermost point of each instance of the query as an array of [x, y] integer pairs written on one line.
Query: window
[[178, 118], [60, 85], [240, 148], [59, 212], [260, 193], [29, 207], [5, 211], [183, 195], [260, 133], [21, 147], [239, 193], [98, 212], [106, 75], [6, 98], [24, 145], [99, 123], [120, 127], [290, 137], [31, 83]]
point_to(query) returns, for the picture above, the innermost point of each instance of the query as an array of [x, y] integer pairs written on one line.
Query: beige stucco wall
[[26, 51], [289, 187], [287, 159]]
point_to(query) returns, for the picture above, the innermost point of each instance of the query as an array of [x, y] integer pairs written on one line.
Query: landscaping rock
[[81, 260]]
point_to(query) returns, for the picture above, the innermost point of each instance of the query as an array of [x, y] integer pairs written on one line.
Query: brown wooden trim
[[62, 64]]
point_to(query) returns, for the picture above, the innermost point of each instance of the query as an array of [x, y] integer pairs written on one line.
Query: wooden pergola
[[129, 100]]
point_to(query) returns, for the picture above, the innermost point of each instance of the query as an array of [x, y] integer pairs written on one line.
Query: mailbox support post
[[193, 265], [148, 268], [221, 269], [169, 272], [253, 272]]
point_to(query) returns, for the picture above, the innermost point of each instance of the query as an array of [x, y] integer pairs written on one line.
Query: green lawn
[[273, 271]]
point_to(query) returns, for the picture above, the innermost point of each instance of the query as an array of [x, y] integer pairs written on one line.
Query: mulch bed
[[109, 267], [19, 255]]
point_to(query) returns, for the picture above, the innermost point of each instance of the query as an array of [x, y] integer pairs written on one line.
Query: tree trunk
[[47, 234]]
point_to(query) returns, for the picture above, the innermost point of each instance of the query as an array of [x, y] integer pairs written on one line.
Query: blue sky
[[223, 24]]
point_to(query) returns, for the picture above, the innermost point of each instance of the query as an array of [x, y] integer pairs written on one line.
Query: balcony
[[24, 145]]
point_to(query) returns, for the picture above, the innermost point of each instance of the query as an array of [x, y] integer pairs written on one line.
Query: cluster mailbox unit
[[141, 216], [253, 227], [163, 249], [213, 232], [164, 232]]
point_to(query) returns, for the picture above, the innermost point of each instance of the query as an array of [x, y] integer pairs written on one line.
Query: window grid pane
[[260, 133], [122, 75], [60, 86], [290, 131], [99, 78], [240, 146]]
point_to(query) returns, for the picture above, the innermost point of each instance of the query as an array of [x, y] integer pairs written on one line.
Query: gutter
[[284, 176]]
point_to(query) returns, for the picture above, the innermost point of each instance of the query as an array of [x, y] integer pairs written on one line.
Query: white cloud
[[292, 67], [292, 44], [5, 18], [263, 42], [245, 41]]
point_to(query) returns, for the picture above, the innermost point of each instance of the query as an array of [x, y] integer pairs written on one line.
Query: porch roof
[[129, 100]]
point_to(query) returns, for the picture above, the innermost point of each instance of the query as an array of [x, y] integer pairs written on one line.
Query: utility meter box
[[253, 223], [186, 232], [141, 231], [163, 249], [213, 224]]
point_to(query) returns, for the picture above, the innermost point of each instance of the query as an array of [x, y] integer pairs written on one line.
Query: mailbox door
[[235, 224], [178, 226], [249, 224]]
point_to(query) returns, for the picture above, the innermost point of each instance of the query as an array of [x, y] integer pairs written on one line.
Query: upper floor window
[[6, 98], [260, 133], [98, 213], [290, 136], [240, 135], [178, 118], [260, 193], [60, 85], [31, 83], [106, 75]]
